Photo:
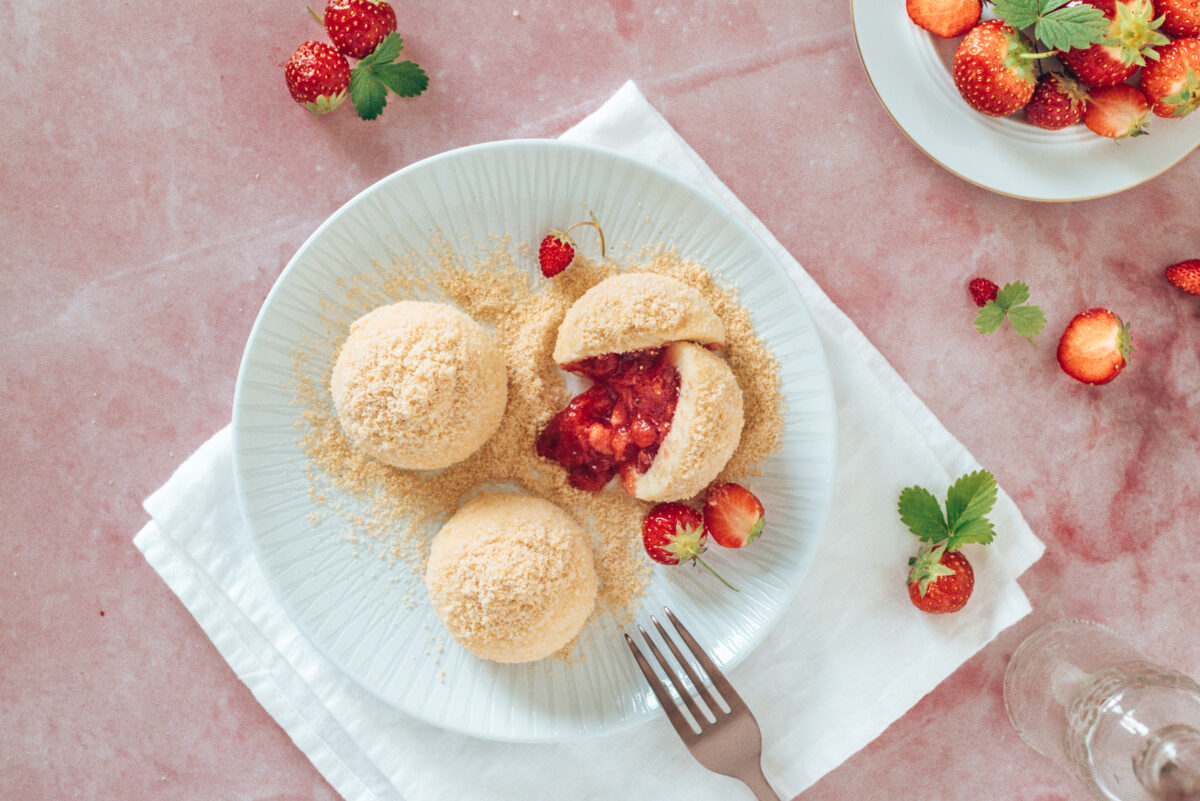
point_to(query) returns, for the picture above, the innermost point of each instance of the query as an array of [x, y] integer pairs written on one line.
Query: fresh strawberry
[[733, 515], [1057, 102], [989, 71], [674, 534], [1186, 276], [1180, 17], [317, 76], [939, 580], [1095, 347], [945, 18], [556, 253], [557, 250], [356, 27], [1132, 36], [983, 290], [1116, 111], [1172, 83]]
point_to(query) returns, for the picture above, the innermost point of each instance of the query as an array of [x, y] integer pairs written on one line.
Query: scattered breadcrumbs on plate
[[393, 513]]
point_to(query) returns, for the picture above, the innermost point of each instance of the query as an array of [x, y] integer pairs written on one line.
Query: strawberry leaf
[[405, 79], [378, 72], [977, 529], [1014, 293], [970, 497], [1058, 26], [990, 317], [367, 92], [1027, 321], [922, 514], [385, 51]]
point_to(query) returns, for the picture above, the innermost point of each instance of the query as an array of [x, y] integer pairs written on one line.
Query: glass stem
[[1168, 764]]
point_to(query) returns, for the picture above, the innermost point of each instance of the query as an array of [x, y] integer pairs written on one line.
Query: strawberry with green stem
[[1129, 43], [1172, 84], [940, 579], [317, 77], [557, 249], [357, 27], [1011, 303], [674, 534]]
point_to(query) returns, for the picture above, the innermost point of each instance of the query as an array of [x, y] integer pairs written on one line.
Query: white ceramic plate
[[910, 71], [350, 607]]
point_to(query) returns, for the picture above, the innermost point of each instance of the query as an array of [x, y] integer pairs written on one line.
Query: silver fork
[[730, 742]]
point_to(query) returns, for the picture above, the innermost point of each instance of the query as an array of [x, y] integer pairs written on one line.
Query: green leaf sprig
[[1012, 303], [968, 502], [379, 72], [1054, 23]]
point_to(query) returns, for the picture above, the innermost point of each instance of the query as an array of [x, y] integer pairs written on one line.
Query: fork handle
[[757, 782]]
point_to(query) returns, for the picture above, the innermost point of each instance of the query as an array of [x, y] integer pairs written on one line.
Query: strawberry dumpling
[[664, 412], [419, 386], [511, 577]]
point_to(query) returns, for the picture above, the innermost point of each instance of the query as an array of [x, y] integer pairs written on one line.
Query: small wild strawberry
[[356, 27], [1185, 276], [557, 249], [982, 290], [317, 76]]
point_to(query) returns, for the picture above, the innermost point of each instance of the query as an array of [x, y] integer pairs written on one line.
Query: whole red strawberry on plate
[[1117, 112], [1095, 347], [1130, 42], [356, 27], [317, 76], [1185, 276], [557, 249], [1057, 102], [674, 534], [989, 70], [1180, 17], [1172, 84], [733, 515]]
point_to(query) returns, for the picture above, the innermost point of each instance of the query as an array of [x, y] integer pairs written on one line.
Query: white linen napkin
[[838, 668]]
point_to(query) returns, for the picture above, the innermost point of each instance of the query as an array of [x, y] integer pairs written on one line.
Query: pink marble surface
[[157, 177]]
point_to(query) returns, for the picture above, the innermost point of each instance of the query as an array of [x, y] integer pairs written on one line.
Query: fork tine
[[682, 727], [732, 699], [673, 678], [700, 686]]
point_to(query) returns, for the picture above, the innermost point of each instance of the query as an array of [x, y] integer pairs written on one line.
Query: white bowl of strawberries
[[1011, 94]]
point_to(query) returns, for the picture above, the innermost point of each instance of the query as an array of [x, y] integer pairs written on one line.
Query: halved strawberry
[[1132, 36], [1180, 17], [1095, 347], [1057, 102], [733, 515], [989, 70], [1117, 111], [945, 18], [1186, 276], [1172, 84]]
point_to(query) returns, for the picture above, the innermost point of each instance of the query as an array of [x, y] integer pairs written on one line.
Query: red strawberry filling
[[618, 423]]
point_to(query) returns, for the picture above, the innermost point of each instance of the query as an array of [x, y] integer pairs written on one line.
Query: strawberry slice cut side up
[[733, 515], [1095, 347], [1117, 112]]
